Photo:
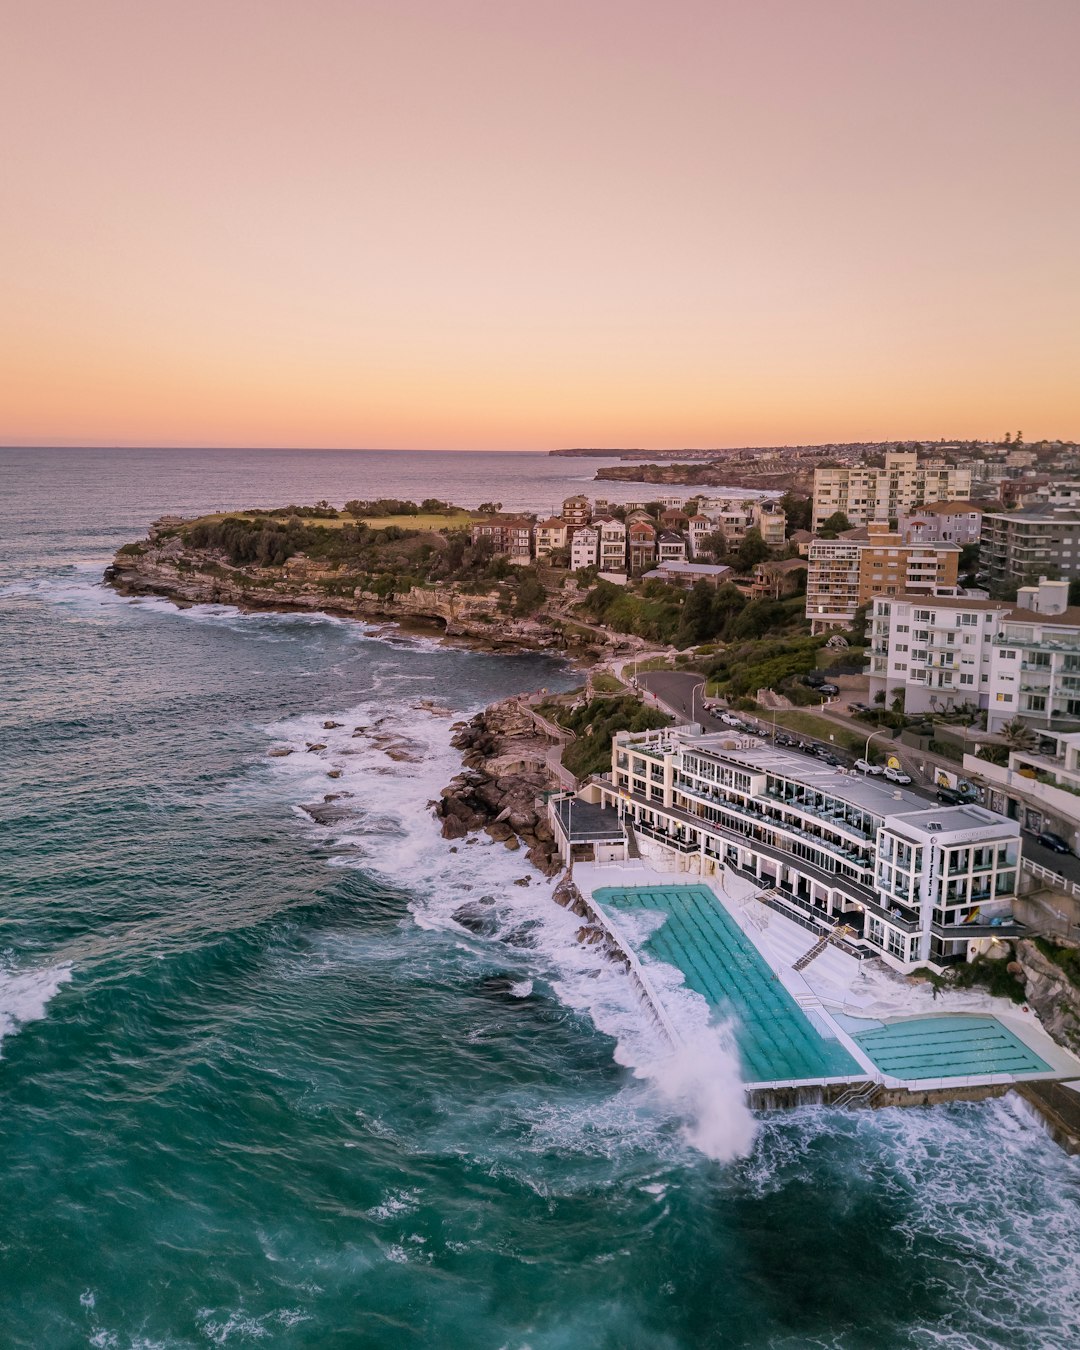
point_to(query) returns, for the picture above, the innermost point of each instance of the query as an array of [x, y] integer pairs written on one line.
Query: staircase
[[837, 935], [859, 1094], [632, 849]]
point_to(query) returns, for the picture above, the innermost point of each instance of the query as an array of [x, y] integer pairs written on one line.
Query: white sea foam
[[25, 993], [389, 829]]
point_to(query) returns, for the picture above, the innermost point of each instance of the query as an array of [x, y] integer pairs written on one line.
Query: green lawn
[[809, 724]]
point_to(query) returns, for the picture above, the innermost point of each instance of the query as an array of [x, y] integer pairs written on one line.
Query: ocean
[[259, 1086]]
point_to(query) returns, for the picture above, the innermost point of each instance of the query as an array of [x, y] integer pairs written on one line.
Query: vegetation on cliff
[[595, 724]]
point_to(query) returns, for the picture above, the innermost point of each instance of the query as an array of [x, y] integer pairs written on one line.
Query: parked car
[[951, 796], [860, 707], [782, 738], [1052, 841], [898, 776], [813, 679], [828, 689], [829, 758], [730, 720], [864, 766]]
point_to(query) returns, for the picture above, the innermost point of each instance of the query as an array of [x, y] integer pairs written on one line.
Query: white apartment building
[[934, 650], [918, 884], [584, 547], [865, 494], [1035, 670], [550, 534], [1039, 788], [612, 545]]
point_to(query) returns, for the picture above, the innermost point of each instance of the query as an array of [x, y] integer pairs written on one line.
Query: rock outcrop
[[165, 564], [498, 791], [1050, 992]]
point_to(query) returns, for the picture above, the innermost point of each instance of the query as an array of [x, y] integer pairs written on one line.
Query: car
[[1053, 842], [730, 720], [829, 758], [951, 796], [898, 776], [828, 689], [783, 739], [859, 707], [813, 679], [864, 766]]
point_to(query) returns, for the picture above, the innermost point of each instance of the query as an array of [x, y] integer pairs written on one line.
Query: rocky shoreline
[[164, 566], [500, 787]]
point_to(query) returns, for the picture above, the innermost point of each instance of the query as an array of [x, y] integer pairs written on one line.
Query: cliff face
[[164, 565], [1050, 992], [706, 475]]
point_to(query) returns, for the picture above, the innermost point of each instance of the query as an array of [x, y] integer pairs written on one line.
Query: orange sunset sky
[[518, 225]]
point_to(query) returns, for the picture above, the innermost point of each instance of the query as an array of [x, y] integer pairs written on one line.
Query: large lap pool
[[776, 1040]]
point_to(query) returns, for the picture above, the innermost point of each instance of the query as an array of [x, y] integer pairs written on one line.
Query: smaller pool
[[945, 1047]]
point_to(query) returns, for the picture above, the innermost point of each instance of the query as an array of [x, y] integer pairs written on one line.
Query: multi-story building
[[736, 516], [612, 545], [774, 580], [576, 510], [865, 494], [1035, 669], [942, 523], [933, 650], [550, 535], [584, 547], [509, 535], [641, 543], [1036, 539], [698, 529], [918, 884], [670, 547], [1039, 787], [847, 572]]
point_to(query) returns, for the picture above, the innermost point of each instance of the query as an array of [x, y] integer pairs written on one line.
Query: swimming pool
[[946, 1047], [776, 1040]]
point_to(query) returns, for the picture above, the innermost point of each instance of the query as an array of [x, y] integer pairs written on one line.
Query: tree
[[1018, 735], [655, 509], [836, 524], [714, 544], [697, 620], [489, 508], [799, 511], [752, 550]]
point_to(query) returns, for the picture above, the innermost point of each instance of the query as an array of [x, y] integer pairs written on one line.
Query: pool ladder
[[859, 1094]]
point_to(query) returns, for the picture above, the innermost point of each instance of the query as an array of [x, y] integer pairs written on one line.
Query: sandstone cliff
[[1050, 992]]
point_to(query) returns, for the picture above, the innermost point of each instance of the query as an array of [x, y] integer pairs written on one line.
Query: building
[[1039, 788], [698, 529], [509, 535], [801, 540], [550, 535], [942, 523], [674, 519], [1035, 669], [1039, 538], [865, 494], [576, 511], [847, 572], [916, 884], [944, 653], [670, 546], [774, 580], [612, 545], [686, 574], [641, 544], [584, 548], [934, 651], [736, 516]]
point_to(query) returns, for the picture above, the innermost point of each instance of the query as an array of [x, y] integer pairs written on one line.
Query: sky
[[523, 224]]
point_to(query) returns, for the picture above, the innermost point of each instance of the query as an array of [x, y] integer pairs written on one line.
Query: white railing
[[1048, 875]]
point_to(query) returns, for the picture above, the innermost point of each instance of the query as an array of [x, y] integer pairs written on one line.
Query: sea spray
[[701, 1081], [25, 993]]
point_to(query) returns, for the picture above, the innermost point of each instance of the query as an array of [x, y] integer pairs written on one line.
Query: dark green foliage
[[799, 511], [836, 524], [596, 723], [751, 551], [993, 976], [529, 593]]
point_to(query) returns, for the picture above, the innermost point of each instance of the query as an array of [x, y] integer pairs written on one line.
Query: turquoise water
[[776, 1041], [948, 1047], [270, 1083]]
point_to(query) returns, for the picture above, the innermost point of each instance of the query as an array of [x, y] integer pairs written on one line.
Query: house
[[584, 547], [698, 529], [550, 534], [576, 511], [670, 547], [673, 519], [942, 523], [686, 574], [774, 580], [641, 543], [508, 535], [612, 545]]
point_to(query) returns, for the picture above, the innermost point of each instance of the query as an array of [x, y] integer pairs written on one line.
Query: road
[[677, 690]]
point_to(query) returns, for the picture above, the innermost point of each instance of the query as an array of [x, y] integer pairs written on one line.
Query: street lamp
[[693, 696], [880, 732]]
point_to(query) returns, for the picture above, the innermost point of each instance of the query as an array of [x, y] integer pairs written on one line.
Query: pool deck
[[743, 954]]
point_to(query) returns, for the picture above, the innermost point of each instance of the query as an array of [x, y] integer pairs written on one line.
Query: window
[[1004, 698]]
